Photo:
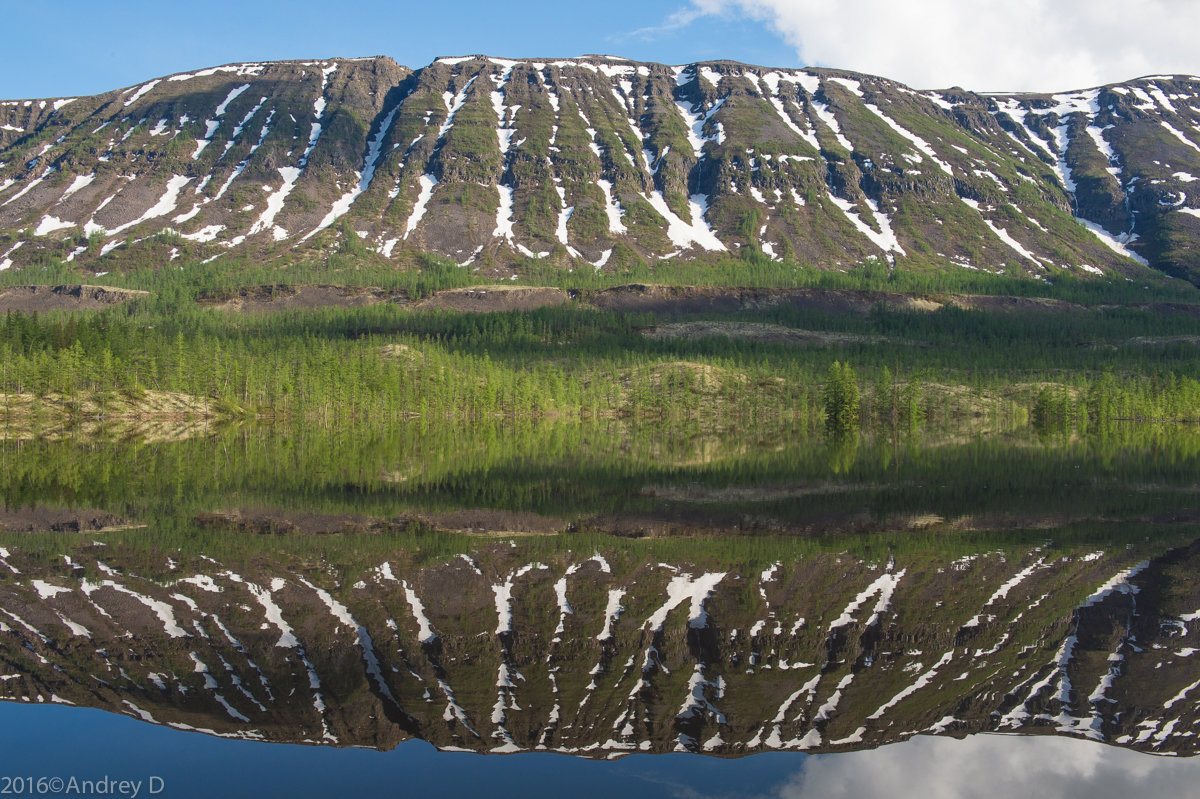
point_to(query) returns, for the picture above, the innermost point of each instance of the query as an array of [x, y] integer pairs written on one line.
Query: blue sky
[[98, 46], [73, 47]]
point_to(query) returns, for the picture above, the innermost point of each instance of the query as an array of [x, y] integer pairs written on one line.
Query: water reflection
[[611, 593], [988, 767], [992, 767], [612, 478], [600, 653]]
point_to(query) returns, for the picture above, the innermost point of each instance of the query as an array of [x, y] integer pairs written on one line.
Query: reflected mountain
[[527, 645]]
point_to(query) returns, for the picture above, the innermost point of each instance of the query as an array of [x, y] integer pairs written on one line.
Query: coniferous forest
[[1074, 354]]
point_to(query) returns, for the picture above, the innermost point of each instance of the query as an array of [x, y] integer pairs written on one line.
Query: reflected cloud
[[992, 767]]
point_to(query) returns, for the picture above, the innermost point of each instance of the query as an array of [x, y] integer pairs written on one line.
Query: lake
[[541, 608]]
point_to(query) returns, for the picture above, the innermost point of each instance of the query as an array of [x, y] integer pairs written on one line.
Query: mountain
[[611, 653], [498, 164]]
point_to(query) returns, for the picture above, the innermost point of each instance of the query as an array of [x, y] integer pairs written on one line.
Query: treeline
[[343, 372], [1101, 403], [340, 367], [951, 345]]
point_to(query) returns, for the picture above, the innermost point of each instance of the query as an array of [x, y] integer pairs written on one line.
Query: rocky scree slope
[[600, 161]]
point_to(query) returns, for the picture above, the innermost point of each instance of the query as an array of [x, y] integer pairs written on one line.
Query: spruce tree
[[841, 398]]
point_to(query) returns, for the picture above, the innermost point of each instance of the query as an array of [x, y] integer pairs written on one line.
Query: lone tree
[[841, 398]]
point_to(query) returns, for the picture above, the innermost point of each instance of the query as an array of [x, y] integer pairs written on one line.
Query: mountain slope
[[597, 160]]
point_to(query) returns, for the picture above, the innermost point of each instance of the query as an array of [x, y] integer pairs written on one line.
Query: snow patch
[[80, 182], [883, 586], [683, 234], [1179, 135], [49, 224], [365, 176], [611, 207], [46, 590], [611, 612], [920, 683], [771, 79], [140, 93], [454, 103], [426, 633], [885, 238], [685, 588], [826, 116], [275, 201], [1002, 233], [504, 212], [165, 613], [1114, 243], [204, 235], [916, 140], [165, 205], [229, 98], [426, 182]]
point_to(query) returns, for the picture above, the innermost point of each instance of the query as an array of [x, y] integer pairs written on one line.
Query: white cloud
[[985, 45], [994, 767], [680, 19]]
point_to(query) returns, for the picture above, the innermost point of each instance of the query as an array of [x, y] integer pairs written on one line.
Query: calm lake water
[[542, 609], [90, 744]]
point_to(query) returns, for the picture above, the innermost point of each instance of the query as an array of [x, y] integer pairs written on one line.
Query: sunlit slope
[[497, 164]]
